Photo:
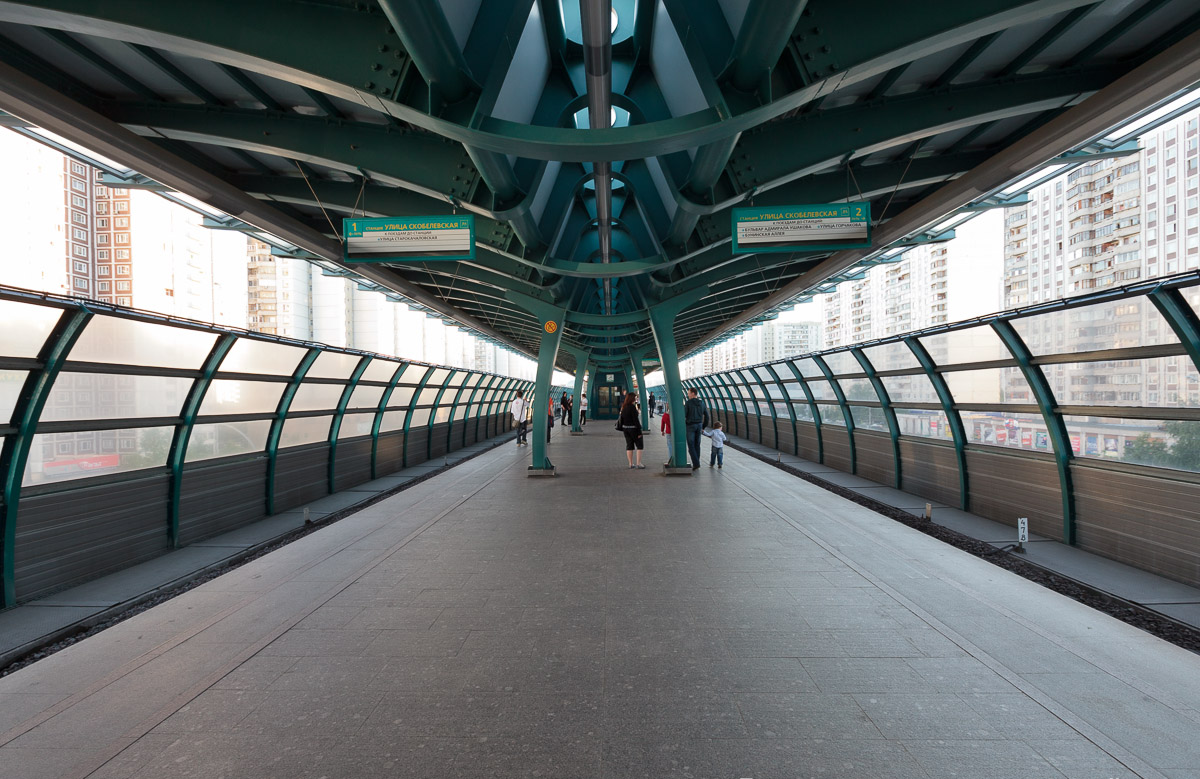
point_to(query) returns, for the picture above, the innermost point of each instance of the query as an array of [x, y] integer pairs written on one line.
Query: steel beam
[[281, 412], [889, 413], [957, 431], [335, 424]]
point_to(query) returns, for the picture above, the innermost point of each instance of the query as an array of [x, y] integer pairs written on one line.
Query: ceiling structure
[[601, 146]]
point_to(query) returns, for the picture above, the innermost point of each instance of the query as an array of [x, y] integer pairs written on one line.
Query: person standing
[[695, 417], [520, 412], [550, 418], [650, 404], [664, 427], [564, 408], [583, 410], [631, 425], [718, 438]]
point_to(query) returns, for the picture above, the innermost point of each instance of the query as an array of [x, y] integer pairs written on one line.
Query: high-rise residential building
[[278, 300]]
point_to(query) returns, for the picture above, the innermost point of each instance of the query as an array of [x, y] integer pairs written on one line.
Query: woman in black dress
[[631, 426]]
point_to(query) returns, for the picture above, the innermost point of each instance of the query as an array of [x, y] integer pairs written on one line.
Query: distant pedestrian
[[695, 417], [718, 438], [650, 404], [631, 425], [520, 413], [583, 410], [664, 427], [549, 418], [565, 408]]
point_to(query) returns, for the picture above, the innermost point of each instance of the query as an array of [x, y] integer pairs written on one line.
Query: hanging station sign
[[792, 228], [390, 239]]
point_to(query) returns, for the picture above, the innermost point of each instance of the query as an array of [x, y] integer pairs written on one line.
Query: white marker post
[[1022, 534]]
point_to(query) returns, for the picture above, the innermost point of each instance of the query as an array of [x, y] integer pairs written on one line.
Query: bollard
[[307, 521], [928, 512], [1022, 534]]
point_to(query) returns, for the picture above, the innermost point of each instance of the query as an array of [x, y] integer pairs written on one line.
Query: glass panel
[[250, 356], [869, 418], [25, 327], [392, 420], [858, 389], [305, 430], [420, 418], [317, 397], [437, 377], [821, 390], [1111, 325], [128, 342], [975, 344], [990, 385], [998, 428], [795, 391], [1162, 382], [11, 383], [366, 397], [62, 456], [831, 415], [457, 379], [842, 363], [401, 396], [441, 415], [475, 377], [428, 396], [803, 412], [1165, 444], [333, 365], [891, 357], [106, 396], [227, 438], [229, 396], [807, 367], [355, 425], [910, 389], [380, 370], [919, 422], [764, 374], [774, 391]]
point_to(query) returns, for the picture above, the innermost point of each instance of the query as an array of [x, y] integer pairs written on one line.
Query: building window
[[118, 191], [101, 238], [122, 238], [77, 169], [122, 286], [123, 301], [79, 251], [101, 208], [80, 235], [81, 267], [79, 218], [78, 202], [103, 286], [81, 284], [78, 186], [102, 254], [104, 270], [120, 207], [122, 254], [121, 221], [122, 270]]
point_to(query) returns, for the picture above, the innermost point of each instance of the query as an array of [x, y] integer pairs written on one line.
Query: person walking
[[650, 404], [631, 425], [718, 438], [520, 412], [695, 417], [664, 427], [583, 410], [550, 418]]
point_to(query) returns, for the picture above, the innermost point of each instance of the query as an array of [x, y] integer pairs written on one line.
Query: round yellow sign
[[551, 327]]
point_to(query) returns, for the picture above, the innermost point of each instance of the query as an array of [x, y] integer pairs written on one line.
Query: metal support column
[[412, 405], [281, 412], [1054, 421], [812, 406], [662, 326], [437, 403], [635, 359], [841, 399], [379, 412], [1182, 319], [183, 431], [335, 426], [885, 403], [15, 455], [787, 401], [957, 431]]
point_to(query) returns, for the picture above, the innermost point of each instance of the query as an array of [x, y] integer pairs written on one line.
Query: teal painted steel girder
[[412, 405], [335, 425], [15, 454], [1181, 318], [430, 42], [281, 412], [787, 401], [841, 400], [812, 407], [379, 412], [335, 49], [183, 431], [753, 374], [1055, 426], [889, 413], [437, 403], [953, 418]]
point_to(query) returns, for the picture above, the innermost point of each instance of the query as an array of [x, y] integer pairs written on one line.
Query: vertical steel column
[[281, 412], [635, 358], [1055, 425], [1181, 318], [735, 396], [749, 374], [552, 321], [412, 405], [15, 455], [953, 418], [379, 412], [841, 399], [437, 403], [486, 401], [335, 426], [885, 403], [812, 406], [183, 431], [577, 398], [662, 327], [787, 401], [457, 400]]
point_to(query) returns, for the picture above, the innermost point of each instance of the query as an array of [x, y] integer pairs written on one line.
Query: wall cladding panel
[[418, 445], [220, 497], [64, 538], [807, 432], [929, 470], [873, 454], [353, 463], [456, 435], [437, 440], [301, 476], [389, 453], [1006, 486], [1141, 520], [837, 447]]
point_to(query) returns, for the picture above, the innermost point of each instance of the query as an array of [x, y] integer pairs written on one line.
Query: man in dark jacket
[[695, 417]]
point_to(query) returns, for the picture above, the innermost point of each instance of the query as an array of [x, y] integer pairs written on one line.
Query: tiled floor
[[611, 623]]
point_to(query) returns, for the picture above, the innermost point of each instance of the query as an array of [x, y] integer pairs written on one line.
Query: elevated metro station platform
[[610, 623]]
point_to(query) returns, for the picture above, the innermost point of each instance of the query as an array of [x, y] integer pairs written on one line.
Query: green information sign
[[788, 228], [390, 239]]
